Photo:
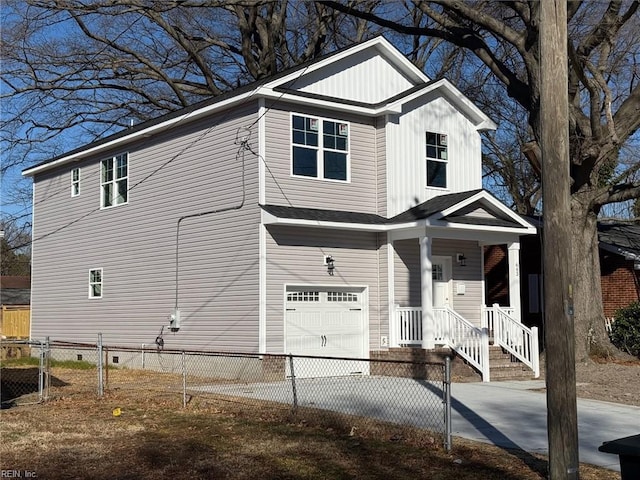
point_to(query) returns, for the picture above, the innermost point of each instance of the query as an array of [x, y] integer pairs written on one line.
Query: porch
[[498, 327]]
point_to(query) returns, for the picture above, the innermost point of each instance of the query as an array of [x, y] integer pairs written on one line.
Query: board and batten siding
[[282, 188], [193, 168], [295, 257], [406, 152], [350, 78], [407, 274]]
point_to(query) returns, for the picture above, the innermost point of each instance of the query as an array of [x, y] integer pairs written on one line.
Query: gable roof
[[432, 212], [411, 83]]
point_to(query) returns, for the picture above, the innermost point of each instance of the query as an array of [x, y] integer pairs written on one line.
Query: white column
[[514, 278], [391, 292], [426, 297]]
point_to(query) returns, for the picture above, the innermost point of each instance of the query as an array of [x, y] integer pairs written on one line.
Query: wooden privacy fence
[[15, 321]]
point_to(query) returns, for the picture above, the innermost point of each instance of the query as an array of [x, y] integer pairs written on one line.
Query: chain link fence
[[363, 391], [24, 367]]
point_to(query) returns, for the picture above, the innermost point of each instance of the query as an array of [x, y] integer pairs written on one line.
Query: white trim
[[446, 228], [400, 61], [426, 294], [141, 134], [320, 149], [33, 236], [483, 195], [262, 151], [101, 283], [114, 181], [262, 288], [391, 292], [480, 120], [75, 182], [513, 259]]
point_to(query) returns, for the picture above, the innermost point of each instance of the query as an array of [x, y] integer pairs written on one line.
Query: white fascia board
[[479, 118], [401, 62], [483, 228], [269, 219], [141, 134], [482, 195], [318, 102]]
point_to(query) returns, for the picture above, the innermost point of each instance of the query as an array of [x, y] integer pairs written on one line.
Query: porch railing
[[469, 341], [410, 325], [516, 338], [489, 315]]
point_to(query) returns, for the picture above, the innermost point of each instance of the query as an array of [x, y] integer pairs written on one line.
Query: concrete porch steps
[[504, 367]]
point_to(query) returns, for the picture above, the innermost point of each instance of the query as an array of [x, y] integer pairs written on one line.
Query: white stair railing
[[469, 341], [488, 318], [517, 339]]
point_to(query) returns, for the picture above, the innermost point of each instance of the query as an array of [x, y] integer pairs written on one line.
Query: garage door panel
[[326, 324]]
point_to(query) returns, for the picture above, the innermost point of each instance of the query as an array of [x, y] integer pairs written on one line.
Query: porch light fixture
[[328, 261], [461, 259]]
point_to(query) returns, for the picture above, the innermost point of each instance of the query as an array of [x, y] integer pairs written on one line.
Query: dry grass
[[76, 435]]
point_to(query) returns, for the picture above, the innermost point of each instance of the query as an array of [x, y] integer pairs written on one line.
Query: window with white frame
[[437, 160], [114, 178], [75, 182], [320, 148], [95, 283]]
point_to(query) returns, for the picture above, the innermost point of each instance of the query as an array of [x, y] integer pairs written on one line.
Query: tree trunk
[[591, 336]]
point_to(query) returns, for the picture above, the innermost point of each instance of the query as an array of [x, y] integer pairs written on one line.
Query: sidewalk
[[514, 415]]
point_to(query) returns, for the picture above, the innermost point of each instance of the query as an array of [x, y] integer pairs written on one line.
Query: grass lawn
[[77, 436]]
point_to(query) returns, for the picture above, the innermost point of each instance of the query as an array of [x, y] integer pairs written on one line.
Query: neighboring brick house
[[619, 269], [619, 265]]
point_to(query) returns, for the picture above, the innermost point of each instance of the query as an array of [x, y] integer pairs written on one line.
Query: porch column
[[426, 295], [391, 293], [514, 278]]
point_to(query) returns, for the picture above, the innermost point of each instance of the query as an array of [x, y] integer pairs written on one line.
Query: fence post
[[41, 373], [447, 403], [143, 347], [47, 378], [184, 380], [293, 384], [100, 384]]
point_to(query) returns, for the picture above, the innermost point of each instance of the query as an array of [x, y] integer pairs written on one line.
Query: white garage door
[[326, 323]]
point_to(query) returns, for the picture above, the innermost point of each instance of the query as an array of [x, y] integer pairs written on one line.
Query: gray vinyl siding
[[294, 257], [470, 304], [407, 290], [358, 195], [407, 274], [191, 169]]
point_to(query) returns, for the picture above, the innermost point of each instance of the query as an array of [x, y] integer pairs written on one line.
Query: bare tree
[[604, 94]]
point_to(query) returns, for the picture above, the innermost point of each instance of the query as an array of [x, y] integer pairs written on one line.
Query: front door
[[441, 275]]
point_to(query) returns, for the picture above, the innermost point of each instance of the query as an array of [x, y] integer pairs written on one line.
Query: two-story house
[[335, 209]]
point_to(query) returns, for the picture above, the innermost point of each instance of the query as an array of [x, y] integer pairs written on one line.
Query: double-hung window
[[75, 182], [95, 283], [320, 148], [115, 181], [436, 160]]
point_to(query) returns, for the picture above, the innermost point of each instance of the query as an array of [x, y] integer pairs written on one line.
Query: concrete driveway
[[506, 414]]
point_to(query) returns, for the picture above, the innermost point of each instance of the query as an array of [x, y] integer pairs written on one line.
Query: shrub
[[625, 330]]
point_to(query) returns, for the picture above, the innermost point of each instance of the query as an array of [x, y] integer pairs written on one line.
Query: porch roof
[[439, 211]]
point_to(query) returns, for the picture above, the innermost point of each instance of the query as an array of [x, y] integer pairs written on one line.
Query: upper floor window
[[115, 180], [436, 160], [95, 283], [320, 148], [75, 182]]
